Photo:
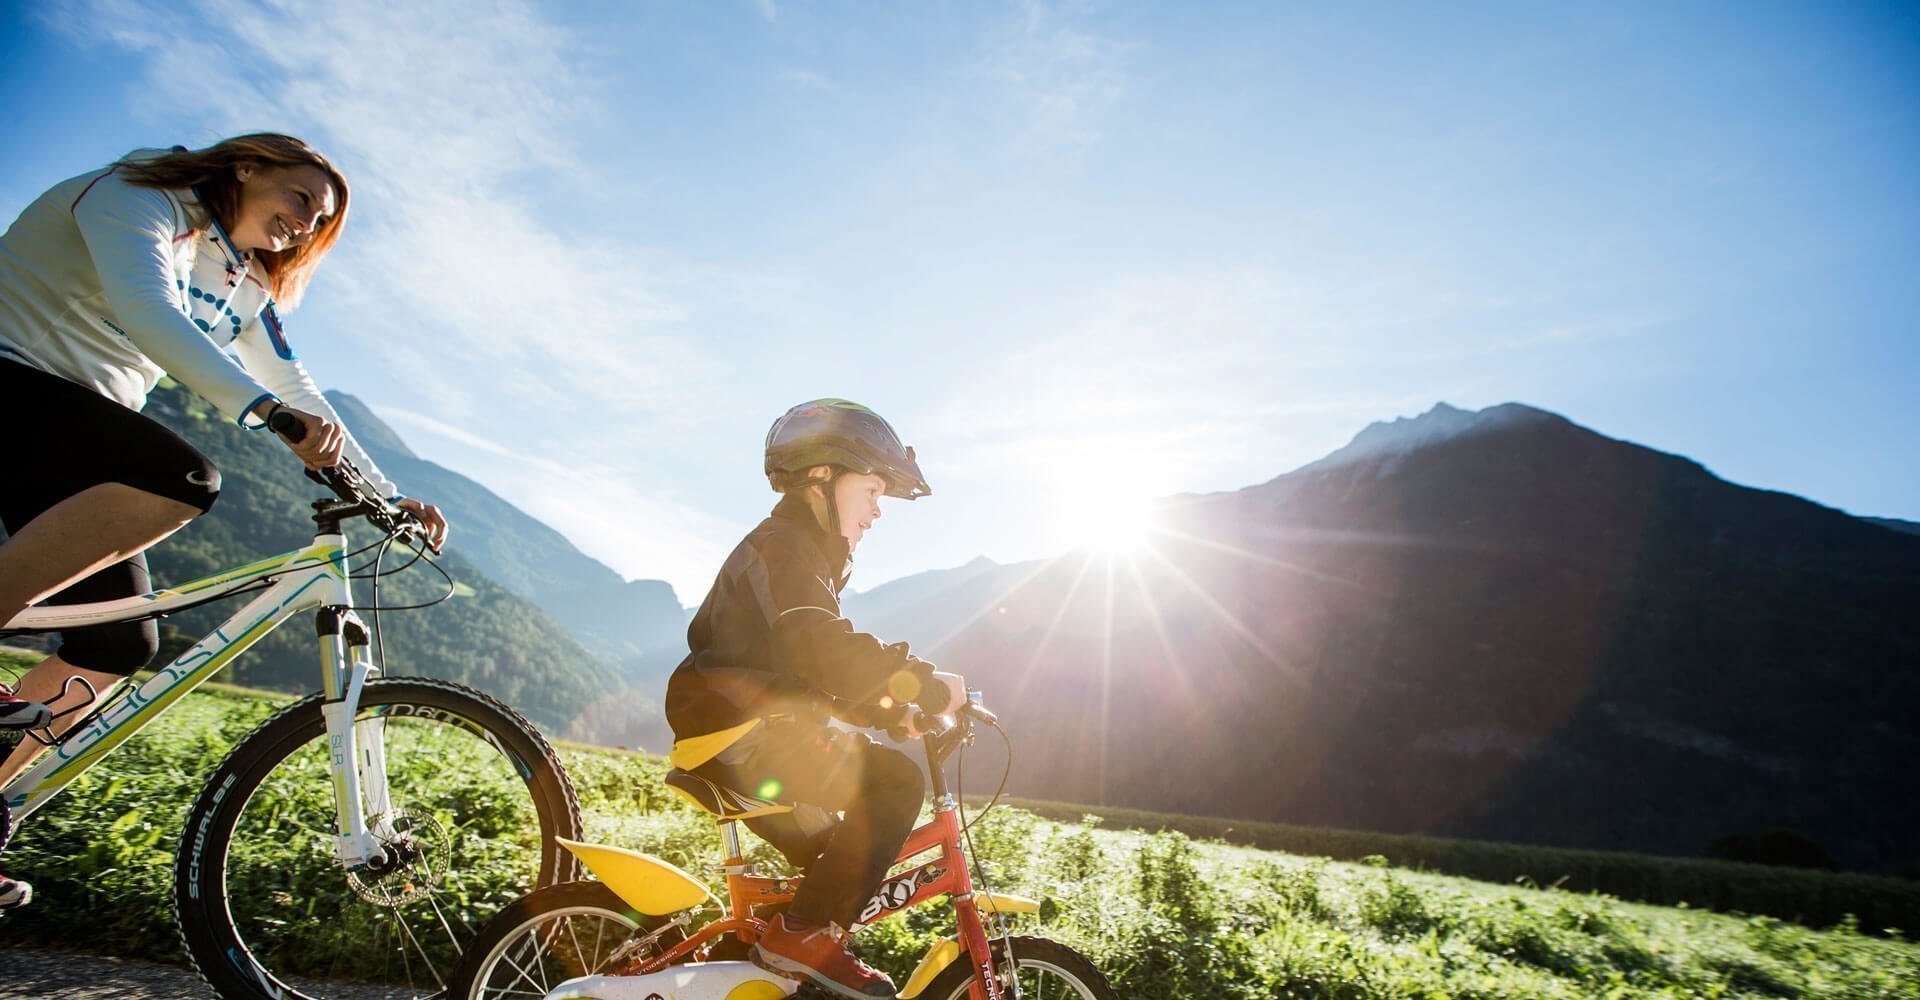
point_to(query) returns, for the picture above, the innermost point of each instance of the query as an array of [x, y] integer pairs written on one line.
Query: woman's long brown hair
[[211, 172]]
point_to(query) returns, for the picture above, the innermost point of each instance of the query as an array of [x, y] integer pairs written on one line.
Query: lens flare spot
[[771, 788], [903, 686]]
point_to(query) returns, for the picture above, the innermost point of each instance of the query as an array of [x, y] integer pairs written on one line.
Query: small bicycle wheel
[[552, 935], [1046, 969], [475, 800]]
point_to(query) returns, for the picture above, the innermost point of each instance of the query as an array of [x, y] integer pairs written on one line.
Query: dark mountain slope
[[1498, 625]]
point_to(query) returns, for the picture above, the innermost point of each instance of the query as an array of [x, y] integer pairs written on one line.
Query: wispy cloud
[[511, 325], [1156, 379], [441, 113], [1160, 384], [600, 509], [1059, 75], [805, 81]]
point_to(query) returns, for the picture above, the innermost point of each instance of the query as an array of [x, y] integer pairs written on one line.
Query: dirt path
[[60, 976], [31, 972]]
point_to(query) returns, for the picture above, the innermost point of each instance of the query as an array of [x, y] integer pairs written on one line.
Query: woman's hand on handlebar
[[430, 518], [318, 442]]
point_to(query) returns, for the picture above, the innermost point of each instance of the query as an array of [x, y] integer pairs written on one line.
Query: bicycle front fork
[[357, 751]]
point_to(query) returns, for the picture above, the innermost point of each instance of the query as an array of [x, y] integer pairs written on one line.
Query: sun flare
[[1115, 524]]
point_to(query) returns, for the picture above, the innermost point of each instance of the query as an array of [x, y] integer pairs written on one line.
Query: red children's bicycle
[[648, 931]]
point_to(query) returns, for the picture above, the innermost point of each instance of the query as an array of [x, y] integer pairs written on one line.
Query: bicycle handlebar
[[940, 725], [347, 483]]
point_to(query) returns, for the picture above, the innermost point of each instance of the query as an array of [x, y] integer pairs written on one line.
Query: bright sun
[[1114, 524]]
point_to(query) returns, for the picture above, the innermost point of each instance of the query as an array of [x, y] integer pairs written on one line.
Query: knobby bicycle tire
[[478, 797], [1043, 967], [549, 936]]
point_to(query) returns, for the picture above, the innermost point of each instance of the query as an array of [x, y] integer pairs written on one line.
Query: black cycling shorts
[[61, 438]]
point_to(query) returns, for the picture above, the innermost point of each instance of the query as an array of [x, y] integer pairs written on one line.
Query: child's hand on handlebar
[[430, 519], [908, 728], [914, 722], [956, 686], [318, 441]]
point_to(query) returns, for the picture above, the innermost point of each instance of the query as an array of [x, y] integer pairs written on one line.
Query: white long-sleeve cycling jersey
[[112, 285]]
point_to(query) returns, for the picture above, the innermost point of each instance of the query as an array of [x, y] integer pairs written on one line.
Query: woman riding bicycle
[[155, 265]]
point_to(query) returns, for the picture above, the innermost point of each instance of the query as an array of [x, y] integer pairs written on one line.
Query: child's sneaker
[[14, 893], [19, 713], [819, 955]]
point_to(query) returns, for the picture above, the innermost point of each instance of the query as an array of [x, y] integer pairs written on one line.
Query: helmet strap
[[825, 509], [833, 502]]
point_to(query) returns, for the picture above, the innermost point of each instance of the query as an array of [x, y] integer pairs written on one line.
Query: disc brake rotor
[[418, 854]]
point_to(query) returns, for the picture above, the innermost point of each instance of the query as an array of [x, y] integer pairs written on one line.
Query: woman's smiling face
[[280, 207]]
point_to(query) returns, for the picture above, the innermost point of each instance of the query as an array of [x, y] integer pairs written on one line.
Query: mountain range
[[1493, 624]]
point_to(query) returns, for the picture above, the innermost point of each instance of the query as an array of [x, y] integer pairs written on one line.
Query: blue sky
[[1076, 252]]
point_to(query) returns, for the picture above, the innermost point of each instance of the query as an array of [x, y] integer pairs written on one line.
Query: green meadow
[[1164, 913]]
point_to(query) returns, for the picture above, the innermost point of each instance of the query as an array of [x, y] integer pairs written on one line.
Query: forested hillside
[[636, 624], [485, 635]]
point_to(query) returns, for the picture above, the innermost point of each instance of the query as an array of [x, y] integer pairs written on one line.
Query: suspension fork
[[356, 751]]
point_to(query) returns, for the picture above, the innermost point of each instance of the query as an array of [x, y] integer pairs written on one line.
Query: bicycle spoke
[[393, 917], [573, 934], [441, 916], [540, 984], [426, 958]]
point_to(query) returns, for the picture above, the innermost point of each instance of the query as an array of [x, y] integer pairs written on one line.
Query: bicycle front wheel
[[1045, 969], [475, 800]]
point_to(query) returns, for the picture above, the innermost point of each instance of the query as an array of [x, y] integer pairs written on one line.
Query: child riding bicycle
[[771, 661]]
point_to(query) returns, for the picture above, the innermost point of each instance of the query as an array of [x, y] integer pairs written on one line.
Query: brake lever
[[975, 708]]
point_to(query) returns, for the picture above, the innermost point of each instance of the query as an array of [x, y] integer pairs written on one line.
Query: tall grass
[[1165, 915], [1815, 898]]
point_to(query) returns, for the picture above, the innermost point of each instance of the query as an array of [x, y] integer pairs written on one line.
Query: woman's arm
[[262, 346], [130, 234]]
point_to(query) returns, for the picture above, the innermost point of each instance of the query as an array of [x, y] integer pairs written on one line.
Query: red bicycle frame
[[945, 875]]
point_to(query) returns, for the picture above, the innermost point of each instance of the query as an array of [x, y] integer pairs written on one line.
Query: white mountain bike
[[359, 836]]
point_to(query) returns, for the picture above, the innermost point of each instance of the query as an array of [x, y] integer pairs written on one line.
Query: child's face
[[857, 497]]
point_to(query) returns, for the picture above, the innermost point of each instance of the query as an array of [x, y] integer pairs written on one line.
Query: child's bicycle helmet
[[844, 434]]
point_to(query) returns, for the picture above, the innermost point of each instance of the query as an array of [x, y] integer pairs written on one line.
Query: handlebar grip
[[287, 426], [928, 725]]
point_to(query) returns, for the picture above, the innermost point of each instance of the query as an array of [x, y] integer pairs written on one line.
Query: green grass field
[[1164, 914]]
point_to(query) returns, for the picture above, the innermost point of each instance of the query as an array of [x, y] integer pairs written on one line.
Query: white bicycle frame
[[313, 578]]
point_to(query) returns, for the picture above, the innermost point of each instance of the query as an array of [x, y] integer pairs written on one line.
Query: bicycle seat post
[[735, 857]]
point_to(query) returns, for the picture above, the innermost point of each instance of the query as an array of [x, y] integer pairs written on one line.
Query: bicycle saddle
[[723, 802]]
